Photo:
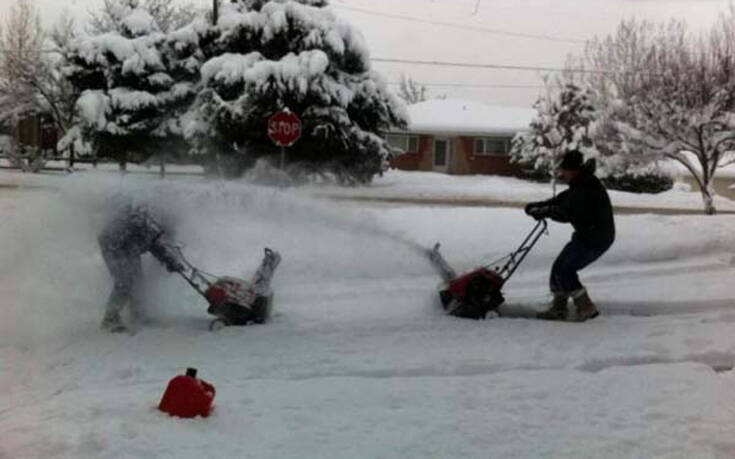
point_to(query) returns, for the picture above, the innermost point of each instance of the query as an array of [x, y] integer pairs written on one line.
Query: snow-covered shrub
[[568, 118], [639, 182], [262, 57]]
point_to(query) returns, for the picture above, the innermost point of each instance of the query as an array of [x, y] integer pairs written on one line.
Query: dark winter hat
[[572, 161]]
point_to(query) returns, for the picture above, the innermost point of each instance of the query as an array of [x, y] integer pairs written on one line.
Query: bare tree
[[411, 91], [168, 16], [669, 94], [21, 49], [31, 80]]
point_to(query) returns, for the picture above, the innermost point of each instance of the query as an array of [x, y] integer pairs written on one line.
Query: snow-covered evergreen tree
[[169, 15], [565, 115], [262, 57], [128, 94]]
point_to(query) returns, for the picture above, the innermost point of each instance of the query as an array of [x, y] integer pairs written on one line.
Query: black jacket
[[586, 205]]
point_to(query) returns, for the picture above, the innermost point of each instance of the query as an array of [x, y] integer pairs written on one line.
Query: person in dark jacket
[[586, 205], [132, 233]]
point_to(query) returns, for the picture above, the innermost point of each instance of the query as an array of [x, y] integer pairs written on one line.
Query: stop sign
[[284, 128]]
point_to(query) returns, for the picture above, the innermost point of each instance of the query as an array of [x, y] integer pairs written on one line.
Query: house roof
[[454, 116]]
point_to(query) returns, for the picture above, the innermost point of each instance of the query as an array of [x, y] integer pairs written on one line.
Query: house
[[459, 137], [37, 131]]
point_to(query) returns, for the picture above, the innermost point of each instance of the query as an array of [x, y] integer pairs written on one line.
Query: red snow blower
[[475, 293], [232, 300]]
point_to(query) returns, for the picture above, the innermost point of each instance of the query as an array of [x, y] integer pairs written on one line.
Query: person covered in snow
[[132, 233], [586, 205]]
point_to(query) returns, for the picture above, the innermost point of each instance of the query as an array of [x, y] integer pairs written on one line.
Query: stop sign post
[[284, 129]]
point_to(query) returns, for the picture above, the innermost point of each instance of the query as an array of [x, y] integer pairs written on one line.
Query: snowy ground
[[440, 187], [359, 361], [420, 187]]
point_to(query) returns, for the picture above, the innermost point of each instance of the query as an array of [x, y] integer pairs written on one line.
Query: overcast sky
[[527, 33]]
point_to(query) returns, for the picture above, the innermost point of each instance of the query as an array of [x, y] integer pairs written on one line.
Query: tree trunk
[[708, 198], [71, 156]]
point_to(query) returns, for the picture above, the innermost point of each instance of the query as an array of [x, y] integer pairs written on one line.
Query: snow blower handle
[[192, 275], [515, 258]]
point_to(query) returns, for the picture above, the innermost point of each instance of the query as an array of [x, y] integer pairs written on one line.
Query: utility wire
[[472, 85], [483, 66], [464, 26]]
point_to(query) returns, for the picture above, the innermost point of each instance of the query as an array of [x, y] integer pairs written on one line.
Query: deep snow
[[358, 360]]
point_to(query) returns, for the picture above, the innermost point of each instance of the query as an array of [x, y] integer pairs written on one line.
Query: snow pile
[[139, 22]]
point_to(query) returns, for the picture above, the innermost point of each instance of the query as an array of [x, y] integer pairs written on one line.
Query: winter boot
[[112, 323], [585, 307], [558, 310]]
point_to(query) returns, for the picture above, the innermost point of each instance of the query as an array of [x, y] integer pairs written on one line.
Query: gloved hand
[[173, 265], [535, 210], [167, 257]]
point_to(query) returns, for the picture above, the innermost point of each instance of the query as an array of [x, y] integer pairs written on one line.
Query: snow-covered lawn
[[437, 186], [407, 186], [358, 360]]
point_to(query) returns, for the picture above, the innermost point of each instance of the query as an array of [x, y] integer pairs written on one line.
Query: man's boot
[[558, 309], [585, 307]]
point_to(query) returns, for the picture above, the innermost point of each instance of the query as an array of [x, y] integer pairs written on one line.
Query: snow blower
[[234, 301], [476, 293]]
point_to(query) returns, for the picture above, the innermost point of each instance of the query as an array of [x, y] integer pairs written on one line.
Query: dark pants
[[574, 257]]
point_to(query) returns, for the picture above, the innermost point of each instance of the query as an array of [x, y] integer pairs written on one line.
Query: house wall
[[37, 132], [29, 132], [485, 164], [463, 161], [420, 160], [427, 152]]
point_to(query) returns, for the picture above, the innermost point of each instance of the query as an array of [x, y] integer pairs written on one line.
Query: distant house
[[37, 131], [459, 137]]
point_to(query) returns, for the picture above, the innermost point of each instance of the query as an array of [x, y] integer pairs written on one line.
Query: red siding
[[406, 162], [485, 164], [466, 163], [412, 161], [488, 164]]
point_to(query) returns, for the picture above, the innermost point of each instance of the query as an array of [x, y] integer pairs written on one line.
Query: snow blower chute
[[232, 300], [474, 294]]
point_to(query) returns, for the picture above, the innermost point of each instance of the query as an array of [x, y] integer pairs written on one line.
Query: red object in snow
[[458, 287], [284, 128], [187, 396]]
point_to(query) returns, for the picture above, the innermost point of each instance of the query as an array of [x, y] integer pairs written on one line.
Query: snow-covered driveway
[[359, 361]]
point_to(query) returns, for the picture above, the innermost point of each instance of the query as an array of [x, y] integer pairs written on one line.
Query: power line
[[464, 26], [482, 66], [472, 85]]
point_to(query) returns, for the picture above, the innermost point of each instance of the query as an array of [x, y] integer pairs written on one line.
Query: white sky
[[395, 38]]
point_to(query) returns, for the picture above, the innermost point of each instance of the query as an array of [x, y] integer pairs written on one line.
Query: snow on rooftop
[[465, 117]]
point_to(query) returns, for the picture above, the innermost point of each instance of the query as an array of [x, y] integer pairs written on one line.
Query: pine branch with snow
[[565, 117], [127, 107]]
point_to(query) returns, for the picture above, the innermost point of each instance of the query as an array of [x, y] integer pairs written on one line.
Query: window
[[499, 146], [405, 143]]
